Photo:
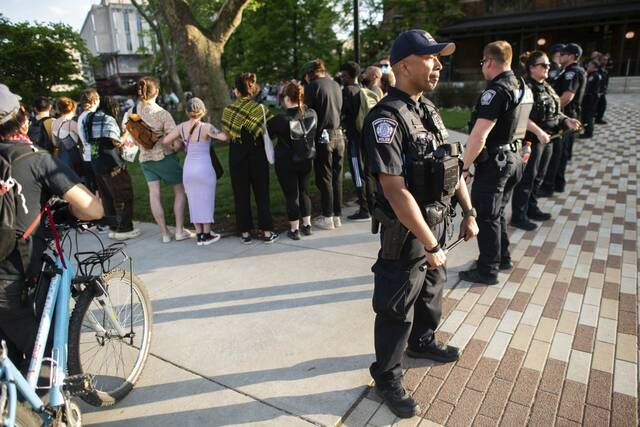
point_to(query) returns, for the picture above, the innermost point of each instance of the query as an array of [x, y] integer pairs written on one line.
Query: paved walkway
[[555, 343], [282, 335]]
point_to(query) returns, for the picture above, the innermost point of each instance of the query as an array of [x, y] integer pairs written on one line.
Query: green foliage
[[277, 36], [36, 57]]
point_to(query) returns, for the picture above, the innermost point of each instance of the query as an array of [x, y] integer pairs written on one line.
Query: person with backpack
[[89, 101], [200, 177], [147, 123], [65, 136], [103, 134], [40, 128], [28, 178], [295, 130], [354, 108]]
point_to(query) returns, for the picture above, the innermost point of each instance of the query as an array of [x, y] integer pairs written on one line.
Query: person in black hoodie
[[325, 97], [295, 130]]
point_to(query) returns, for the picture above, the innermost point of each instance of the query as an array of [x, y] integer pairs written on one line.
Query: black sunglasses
[[545, 65]]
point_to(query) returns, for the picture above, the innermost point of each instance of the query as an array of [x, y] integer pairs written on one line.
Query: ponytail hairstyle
[[295, 92], [147, 88], [528, 59], [246, 84]]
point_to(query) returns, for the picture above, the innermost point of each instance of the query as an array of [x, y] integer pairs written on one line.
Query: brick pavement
[[556, 342]]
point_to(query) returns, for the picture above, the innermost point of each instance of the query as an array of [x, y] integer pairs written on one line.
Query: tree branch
[[154, 26], [228, 19]]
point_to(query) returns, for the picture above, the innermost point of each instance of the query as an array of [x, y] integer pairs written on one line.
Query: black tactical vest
[[431, 163], [546, 111]]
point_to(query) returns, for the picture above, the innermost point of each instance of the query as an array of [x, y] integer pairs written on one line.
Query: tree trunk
[[202, 49]]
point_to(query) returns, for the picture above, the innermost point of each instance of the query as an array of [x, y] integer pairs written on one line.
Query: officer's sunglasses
[[545, 65], [484, 61]]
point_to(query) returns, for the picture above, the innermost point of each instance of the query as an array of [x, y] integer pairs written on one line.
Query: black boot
[[434, 350], [475, 276], [523, 224], [398, 400], [538, 215]]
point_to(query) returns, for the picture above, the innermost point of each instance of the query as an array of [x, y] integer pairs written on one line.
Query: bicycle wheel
[[115, 357]]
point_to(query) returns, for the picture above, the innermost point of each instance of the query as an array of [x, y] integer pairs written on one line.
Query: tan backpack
[[140, 131]]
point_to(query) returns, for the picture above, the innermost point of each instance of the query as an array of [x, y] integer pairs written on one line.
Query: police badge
[[487, 96], [384, 129]]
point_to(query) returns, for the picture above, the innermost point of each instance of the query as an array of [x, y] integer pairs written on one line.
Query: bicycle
[[100, 318]]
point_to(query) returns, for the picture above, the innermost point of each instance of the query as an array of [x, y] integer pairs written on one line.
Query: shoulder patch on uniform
[[487, 96], [384, 129], [569, 75]]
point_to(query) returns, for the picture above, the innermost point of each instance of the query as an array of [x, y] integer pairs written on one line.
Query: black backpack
[[11, 199], [303, 133], [38, 134]]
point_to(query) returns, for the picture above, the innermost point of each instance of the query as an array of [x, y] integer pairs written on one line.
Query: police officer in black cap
[[417, 173], [499, 119], [555, 68], [570, 86], [592, 93]]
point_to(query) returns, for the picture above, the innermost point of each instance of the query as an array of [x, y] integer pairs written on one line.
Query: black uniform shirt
[[324, 96], [593, 87], [546, 111], [572, 80], [41, 176], [497, 104], [554, 72]]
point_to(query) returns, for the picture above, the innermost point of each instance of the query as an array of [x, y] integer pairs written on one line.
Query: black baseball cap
[[556, 48], [573, 49], [418, 42]]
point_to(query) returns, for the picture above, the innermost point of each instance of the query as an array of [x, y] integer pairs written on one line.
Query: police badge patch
[[384, 129], [487, 96], [569, 75]]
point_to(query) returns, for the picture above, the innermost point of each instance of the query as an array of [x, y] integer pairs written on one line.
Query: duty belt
[[512, 146]]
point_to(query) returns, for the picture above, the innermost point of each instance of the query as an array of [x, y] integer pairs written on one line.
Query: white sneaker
[[127, 235], [337, 222], [112, 234], [166, 239], [186, 234], [325, 222]]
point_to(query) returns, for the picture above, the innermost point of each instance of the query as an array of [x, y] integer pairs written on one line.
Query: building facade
[[611, 26], [117, 34]]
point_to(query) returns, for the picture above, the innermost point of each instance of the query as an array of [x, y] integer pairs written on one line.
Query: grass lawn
[[224, 214]]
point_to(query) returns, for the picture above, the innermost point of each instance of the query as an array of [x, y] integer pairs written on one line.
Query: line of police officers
[[419, 175]]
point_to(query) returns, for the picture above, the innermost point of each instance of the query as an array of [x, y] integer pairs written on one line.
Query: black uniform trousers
[[116, 193], [363, 181], [547, 152], [328, 165], [555, 180], [589, 110], [249, 170], [294, 180], [524, 200], [492, 188], [408, 307], [601, 108]]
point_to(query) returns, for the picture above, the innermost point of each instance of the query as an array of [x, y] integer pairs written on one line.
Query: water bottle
[[324, 137], [526, 151]]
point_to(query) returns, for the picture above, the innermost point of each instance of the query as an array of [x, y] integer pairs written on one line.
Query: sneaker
[[111, 234], [126, 235], [271, 238], [398, 400], [166, 239], [205, 239], [306, 230], [186, 234], [337, 222], [475, 276], [246, 239], [525, 225], [359, 216], [293, 234], [325, 222], [539, 215], [434, 350]]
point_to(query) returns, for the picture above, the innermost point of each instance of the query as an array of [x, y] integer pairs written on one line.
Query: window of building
[[127, 30], [140, 31]]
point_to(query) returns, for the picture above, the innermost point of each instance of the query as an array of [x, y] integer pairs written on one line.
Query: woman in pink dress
[[199, 177]]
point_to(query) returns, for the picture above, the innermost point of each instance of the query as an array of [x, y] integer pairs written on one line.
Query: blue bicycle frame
[[57, 301]]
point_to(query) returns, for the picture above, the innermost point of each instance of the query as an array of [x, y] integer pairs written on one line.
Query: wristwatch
[[470, 212]]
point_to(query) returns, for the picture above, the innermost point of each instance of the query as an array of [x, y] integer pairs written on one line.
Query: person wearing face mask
[[405, 143], [497, 121], [547, 118]]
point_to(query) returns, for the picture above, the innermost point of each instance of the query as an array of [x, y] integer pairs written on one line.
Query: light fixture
[[629, 35], [541, 41]]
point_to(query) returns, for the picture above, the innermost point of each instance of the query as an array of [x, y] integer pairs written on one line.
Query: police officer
[[570, 87], [546, 117], [498, 167], [417, 173], [556, 68], [602, 102], [592, 93]]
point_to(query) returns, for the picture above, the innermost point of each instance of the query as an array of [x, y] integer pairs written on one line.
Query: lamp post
[[356, 31]]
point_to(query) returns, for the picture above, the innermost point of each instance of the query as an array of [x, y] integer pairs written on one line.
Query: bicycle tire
[[25, 417], [102, 396]]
